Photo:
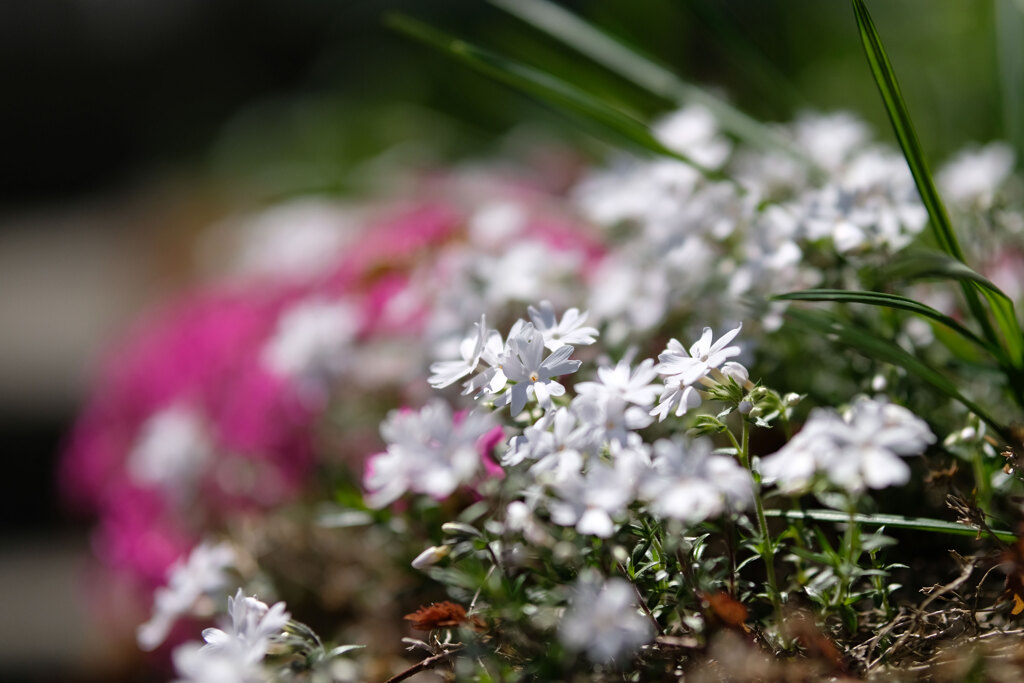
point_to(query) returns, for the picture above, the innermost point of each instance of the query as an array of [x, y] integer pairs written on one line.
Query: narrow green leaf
[[645, 72], [895, 521], [546, 88], [921, 265], [888, 301], [896, 108], [888, 352]]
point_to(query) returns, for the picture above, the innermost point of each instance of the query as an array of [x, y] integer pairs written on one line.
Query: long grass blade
[[884, 350], [896, 108], [645, 72], [546, 88], [894, 521], [889, 301]]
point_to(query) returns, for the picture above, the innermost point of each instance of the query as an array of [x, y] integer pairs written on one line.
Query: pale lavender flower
[[532, 373], [603, 619]]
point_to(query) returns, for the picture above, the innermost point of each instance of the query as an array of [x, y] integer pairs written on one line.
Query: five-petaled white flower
[[532, 373], [558, 333]]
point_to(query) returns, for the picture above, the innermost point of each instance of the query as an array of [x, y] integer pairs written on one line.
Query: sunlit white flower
[[632, 385], [684, 368], [252, 627], [860, 449], [447, 372], [556, 443], [205, 572], [429, 451], [676, 399], [532, 373], [558, 333], [194, 664], [688, 482], [693, 131], [603, 619]]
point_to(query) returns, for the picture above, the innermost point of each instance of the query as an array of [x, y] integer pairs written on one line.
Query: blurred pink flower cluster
[[209, 407]]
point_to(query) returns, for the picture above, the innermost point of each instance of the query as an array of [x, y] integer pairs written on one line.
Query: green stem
[[767, 548]]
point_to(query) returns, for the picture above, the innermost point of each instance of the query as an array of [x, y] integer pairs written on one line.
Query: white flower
[[858, 450], [431, 556], [204, 573], [252, 628], [428, 452], [603, 619], [689, 483], [311, 342], [557, 442], [446, 372], [171, 451], [194, 664], [557, 333], [677, 398], [533, 373], [622, 382], [693, 131], [589, 502], [973, 176], [685, 368]]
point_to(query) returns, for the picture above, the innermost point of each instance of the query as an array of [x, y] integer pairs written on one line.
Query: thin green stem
[[766, 546]]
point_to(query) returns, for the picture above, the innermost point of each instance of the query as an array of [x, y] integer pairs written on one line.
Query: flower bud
[[431, 556]]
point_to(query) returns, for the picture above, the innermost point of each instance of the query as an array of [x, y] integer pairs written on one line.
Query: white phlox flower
[[973, 176], [590, 502], [556, 443], [693, 131], [447, 372], [429, 451], [610, 417], [532, 373], [684, 368], [603, 619], [686, 481], [252, 628], [632, 385], [204, 573], [860, 449], [194, 664], [558, 333]]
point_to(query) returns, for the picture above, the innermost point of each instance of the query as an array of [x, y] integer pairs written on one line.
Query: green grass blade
[[888, 301], [884, 350], [921, 265], [546, 88], [893, 521], [896, 108], [644, 72]]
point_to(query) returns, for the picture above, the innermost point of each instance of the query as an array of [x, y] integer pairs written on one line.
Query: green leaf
[[921, 264], [546, 88], [888, 301], [896, 108], [884, 350], [897, 521], [645, 72]]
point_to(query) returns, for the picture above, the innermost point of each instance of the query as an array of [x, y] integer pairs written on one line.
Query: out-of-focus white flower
[[590, 501], [172, 450], [557, 442], [558, 333], [251, 630], [603, 619], [688, 482], [431, 556], [693, 131], [203, 573], [532, 372], [428, 452], [310, 344], [194, 664], [446, 372], [860, 449], [624, 382], [974, 175], [830, 139]]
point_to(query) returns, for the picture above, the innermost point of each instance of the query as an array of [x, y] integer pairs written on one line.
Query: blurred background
[[128, 129]]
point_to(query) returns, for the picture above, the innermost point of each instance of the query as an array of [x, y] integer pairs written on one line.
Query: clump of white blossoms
[[603, 619], [862, 448], [430, 451], [172, 450], [688, 482], [204, 573], [311, 343]]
